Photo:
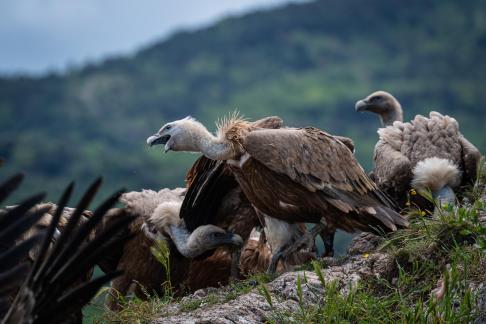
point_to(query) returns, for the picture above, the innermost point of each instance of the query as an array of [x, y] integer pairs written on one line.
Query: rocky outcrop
[[481, 303], [254, 307]]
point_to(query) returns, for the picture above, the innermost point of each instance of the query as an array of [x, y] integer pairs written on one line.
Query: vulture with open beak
[[294, 175], [424, 154]]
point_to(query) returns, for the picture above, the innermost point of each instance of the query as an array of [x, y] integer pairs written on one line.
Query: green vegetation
[[136, 310], [308, 63], [449, 247]]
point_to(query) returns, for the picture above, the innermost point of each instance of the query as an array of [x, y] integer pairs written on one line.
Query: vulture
[[165, 220], [426, 154], [157, 218], [48, 290], [294, 175], [214, 196]]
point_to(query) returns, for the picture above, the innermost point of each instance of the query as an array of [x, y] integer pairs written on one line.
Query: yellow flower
[[413, 192], [366, 255], [407, 204], [422, 213]]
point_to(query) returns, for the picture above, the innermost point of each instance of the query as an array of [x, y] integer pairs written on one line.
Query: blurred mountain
[[307, 63]]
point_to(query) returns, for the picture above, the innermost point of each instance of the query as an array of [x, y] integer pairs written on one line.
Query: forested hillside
[[307, 63]]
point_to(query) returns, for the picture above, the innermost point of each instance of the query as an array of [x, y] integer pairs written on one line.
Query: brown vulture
[[424, 154], [157, 218], [214, 196], [49, 289], [292, 174]]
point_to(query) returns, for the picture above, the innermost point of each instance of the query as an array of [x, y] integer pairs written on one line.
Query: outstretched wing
[[14, 264], [52, 292]]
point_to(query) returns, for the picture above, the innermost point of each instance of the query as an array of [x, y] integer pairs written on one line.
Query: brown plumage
[[142, 273], [295, 175], [157, 218], [215, 197], [257, 255], [427, 153], [53, 290]]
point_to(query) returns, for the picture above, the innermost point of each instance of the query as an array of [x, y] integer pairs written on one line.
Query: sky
[[37, 36]]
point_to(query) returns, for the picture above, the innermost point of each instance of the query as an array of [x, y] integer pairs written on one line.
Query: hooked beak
[[158, 139], [361, 105], [445, 196], [232, 239]]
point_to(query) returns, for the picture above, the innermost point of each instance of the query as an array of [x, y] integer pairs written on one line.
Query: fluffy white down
[[144, 202], [166, 214], [434, 174], [156, 208]]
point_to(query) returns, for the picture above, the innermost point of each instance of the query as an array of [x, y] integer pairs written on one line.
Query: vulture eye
[[168, 127], [377, 98]]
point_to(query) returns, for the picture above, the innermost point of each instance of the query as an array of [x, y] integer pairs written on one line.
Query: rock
[[481, 304], [364, 243], [253, 307]]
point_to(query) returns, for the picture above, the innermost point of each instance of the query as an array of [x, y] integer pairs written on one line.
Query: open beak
[[157, 139], [361, 105]]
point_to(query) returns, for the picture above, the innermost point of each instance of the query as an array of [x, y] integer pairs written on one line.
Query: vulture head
[[165, 221], [439, 176], [178, 135], [383, 104]]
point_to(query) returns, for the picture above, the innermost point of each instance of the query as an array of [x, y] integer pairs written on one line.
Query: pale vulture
[[293, 175], [424, 154], [157, 218]]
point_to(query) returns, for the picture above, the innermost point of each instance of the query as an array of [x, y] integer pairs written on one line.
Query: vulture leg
[[235, 263], [328, 239], [119, 288], [274, 261], [306, 241]]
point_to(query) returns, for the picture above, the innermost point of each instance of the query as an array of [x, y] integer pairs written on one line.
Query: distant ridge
[[306, 62]]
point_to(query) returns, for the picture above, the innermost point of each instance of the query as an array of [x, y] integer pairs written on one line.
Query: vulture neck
[[395, 113], [186, 243], [214, 148]]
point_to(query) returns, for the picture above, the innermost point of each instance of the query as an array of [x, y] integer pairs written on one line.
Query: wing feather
[[310, 157]]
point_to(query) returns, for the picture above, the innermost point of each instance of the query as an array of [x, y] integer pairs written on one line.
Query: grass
[[448, 247], [227, 293]]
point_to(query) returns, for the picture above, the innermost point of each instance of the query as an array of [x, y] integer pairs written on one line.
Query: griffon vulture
[[294, 175], [425, 153], [157, 218], [49, 289], [215, 197]]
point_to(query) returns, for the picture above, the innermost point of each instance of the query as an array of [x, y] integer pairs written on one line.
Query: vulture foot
[[328, 239], [306, 241]]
